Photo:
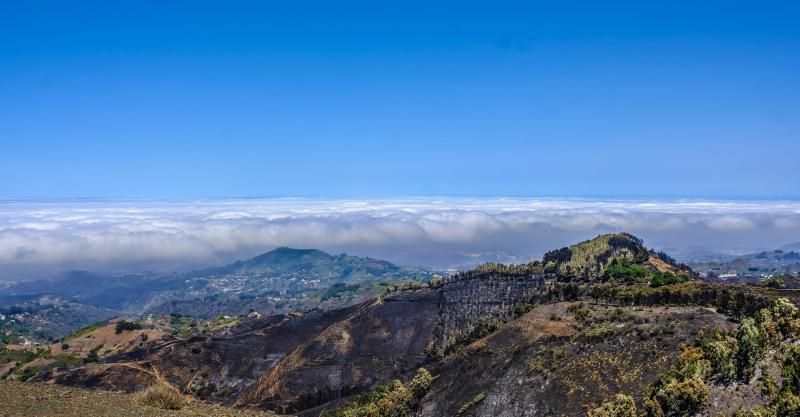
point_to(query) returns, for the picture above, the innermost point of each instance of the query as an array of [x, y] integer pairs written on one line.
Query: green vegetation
[[27, 373], [680, 397], [658, 279], [512, 270], [598, 331], [92, 355], [720, 352], [621, 406], [393, 399], [588, 260], [337, 290], [523, 309], [580, 311], [161, 396], [19, 356], [724, 359], [183, 326], [124, 326], [622, 270], [545, 359], [86, 330], [64, 362]]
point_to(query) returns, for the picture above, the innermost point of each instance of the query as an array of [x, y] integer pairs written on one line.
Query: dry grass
[[161, 396]]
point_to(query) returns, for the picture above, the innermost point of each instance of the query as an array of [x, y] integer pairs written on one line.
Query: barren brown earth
[[35, 399]]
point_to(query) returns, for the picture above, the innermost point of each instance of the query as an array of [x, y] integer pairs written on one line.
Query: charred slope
[[286, 363], [210, 367], [561, 358], [381, 340]]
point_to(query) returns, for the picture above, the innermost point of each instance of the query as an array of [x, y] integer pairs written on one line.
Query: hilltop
[[311, 265], [611, 256]]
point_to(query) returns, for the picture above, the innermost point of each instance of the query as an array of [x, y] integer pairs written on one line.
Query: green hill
[[610, 256], [313, 264]]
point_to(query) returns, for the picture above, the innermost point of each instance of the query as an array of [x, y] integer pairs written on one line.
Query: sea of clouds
[[45, 237]]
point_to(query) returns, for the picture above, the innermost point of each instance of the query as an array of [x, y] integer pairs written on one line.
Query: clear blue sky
[[227, 99]]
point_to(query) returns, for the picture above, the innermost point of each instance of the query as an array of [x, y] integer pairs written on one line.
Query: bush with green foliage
[[682, 398], [751, 343], [393, 399], [682, 390], [789, 405], [92, 355], [659, 279], [720, 352], [124, 326], [625, 271], [621, 406]]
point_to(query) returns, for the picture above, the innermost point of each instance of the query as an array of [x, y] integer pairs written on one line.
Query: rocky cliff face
[[471, 304]]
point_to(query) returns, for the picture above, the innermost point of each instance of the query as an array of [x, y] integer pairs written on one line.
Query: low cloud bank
[[37, 238]]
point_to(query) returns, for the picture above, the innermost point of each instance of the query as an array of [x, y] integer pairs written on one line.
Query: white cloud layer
[[50, 236]]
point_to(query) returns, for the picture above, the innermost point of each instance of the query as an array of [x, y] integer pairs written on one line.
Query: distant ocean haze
[[39, 238]]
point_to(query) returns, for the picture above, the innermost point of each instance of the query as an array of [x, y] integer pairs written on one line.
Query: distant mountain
[[286, 279], [312, 264], [280, 280], [791, 247]]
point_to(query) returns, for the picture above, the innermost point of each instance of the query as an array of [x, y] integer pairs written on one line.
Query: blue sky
[[234, 99]]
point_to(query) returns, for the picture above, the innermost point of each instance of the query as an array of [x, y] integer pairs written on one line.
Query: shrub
[[92, 355], [659, 279], [124, 326], [392, 400], [791, 369], [683, 398], [624, 271], [751, 345], [788, 405], [600, 330], [758, 411], [580, 311], [621, 406], [769, 388], [720, 353], [161, 396], [545, 359], [421, 383], [652, 408], [27, 373]]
